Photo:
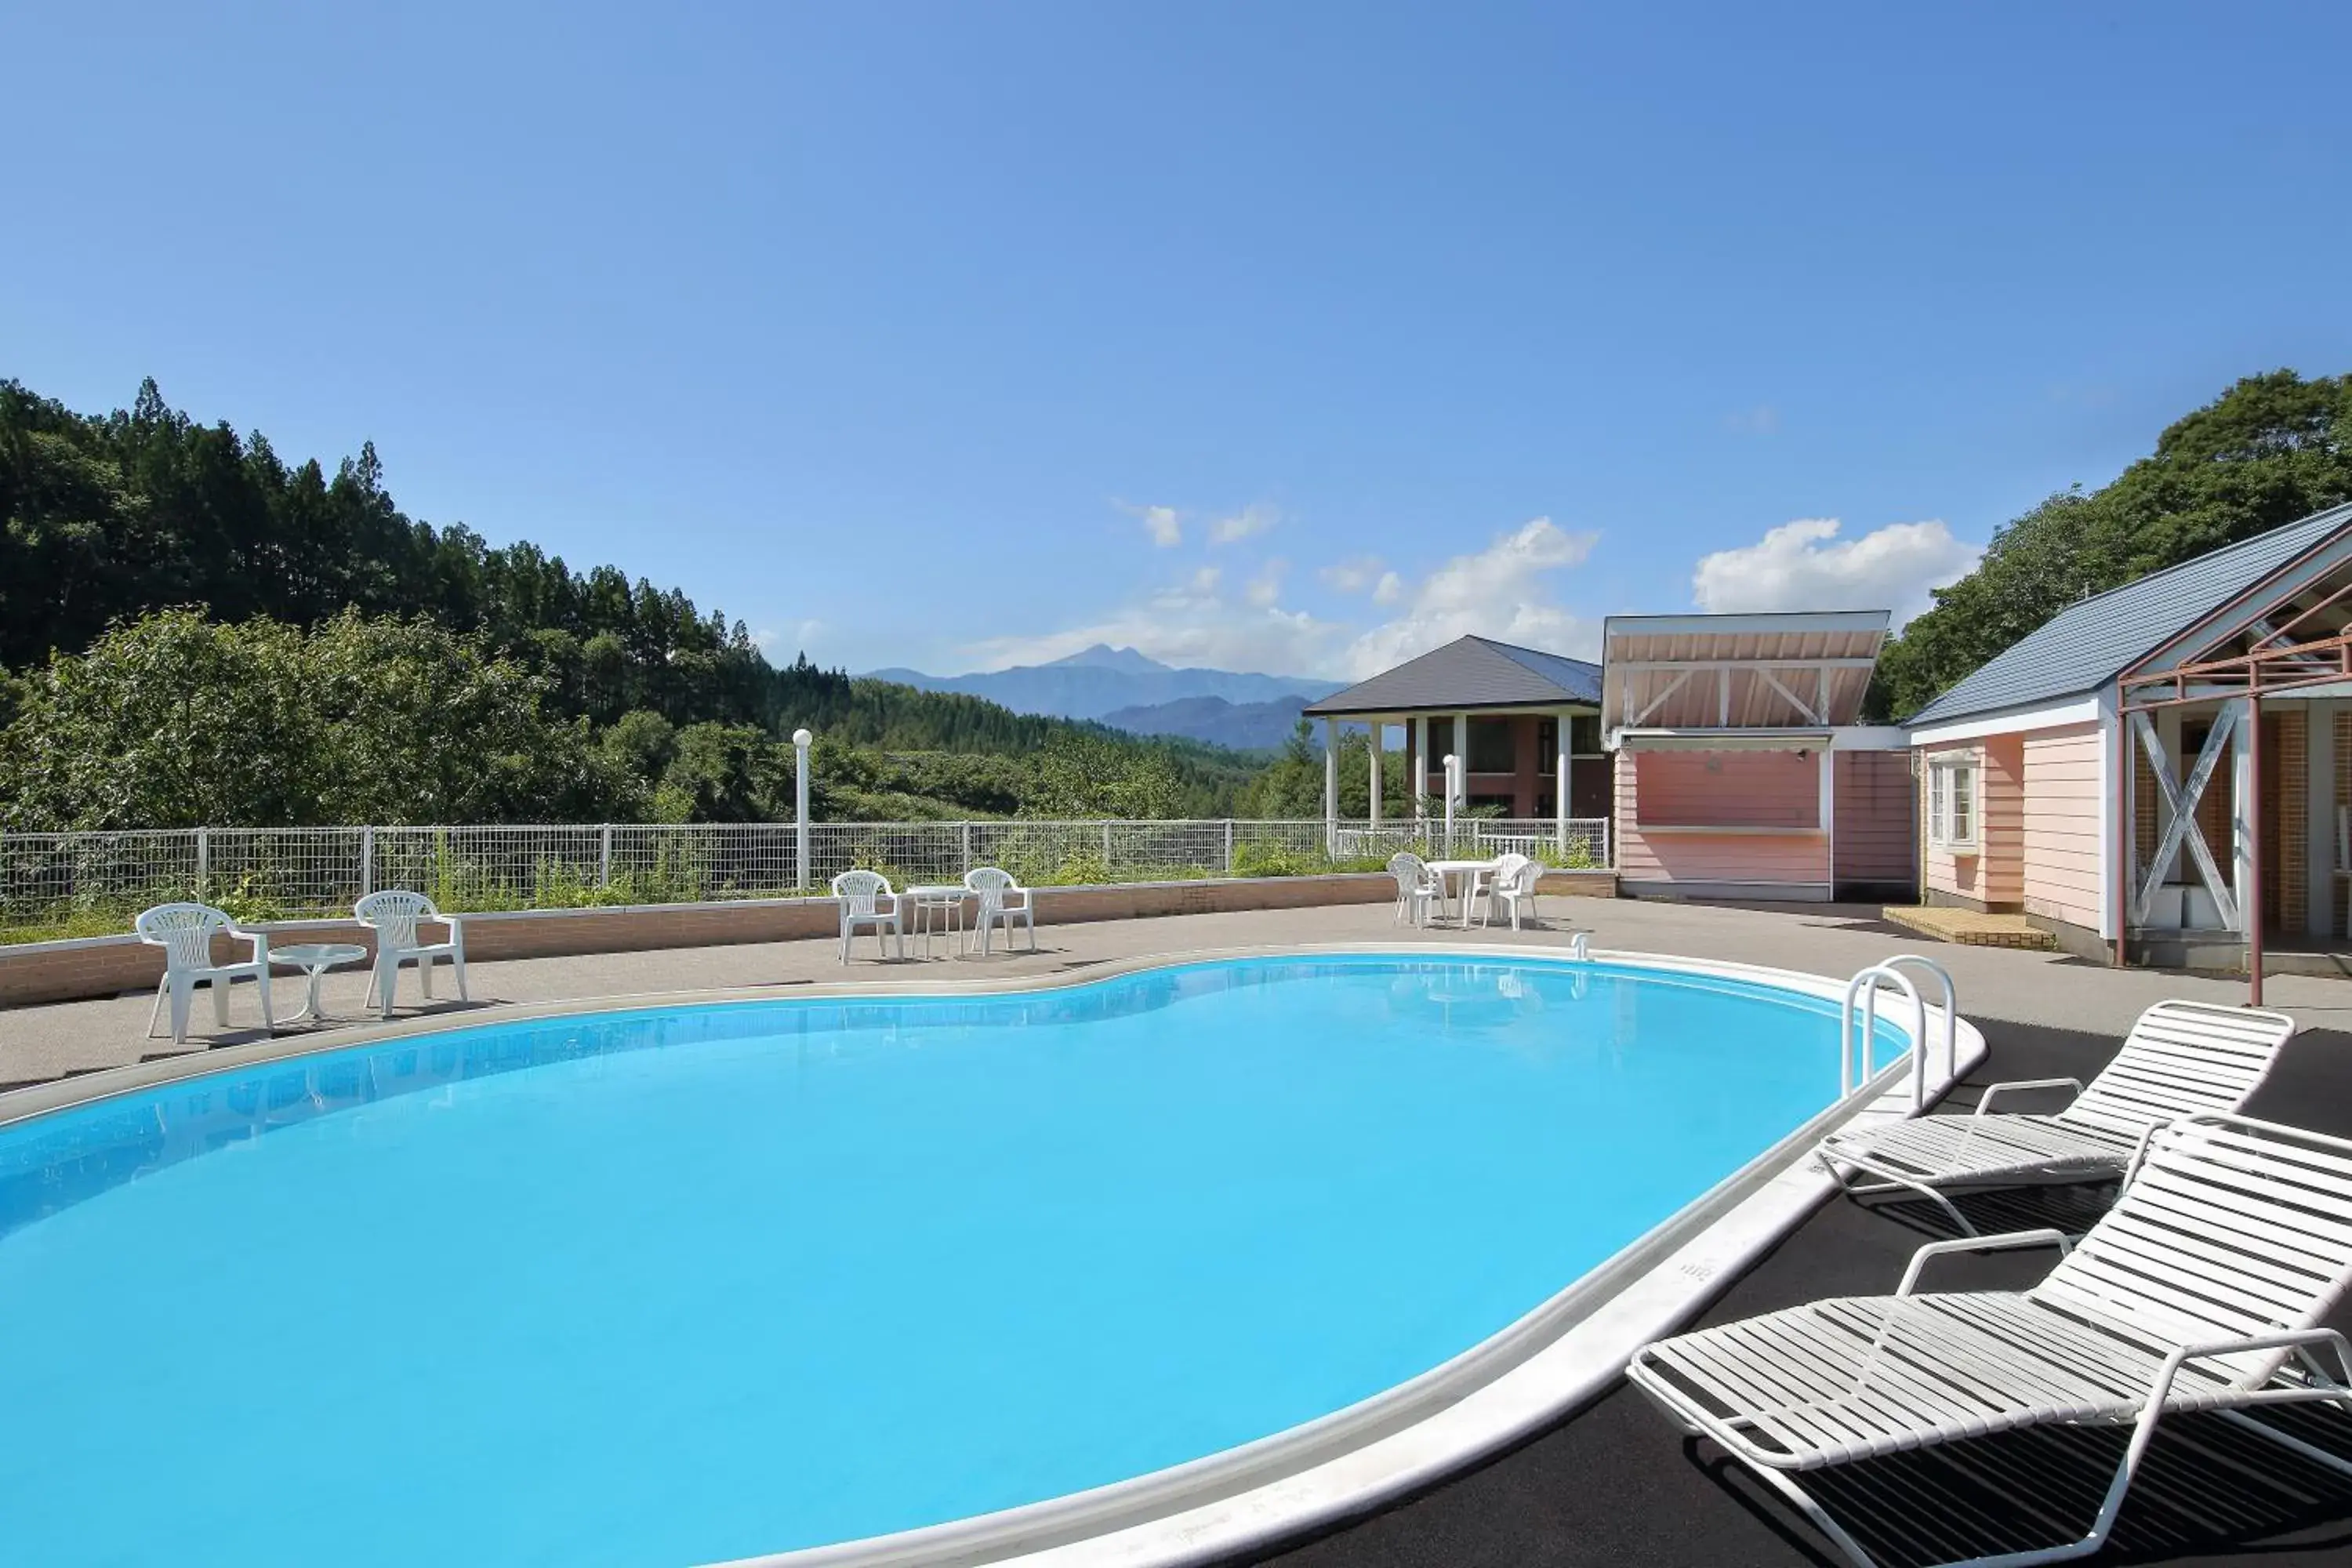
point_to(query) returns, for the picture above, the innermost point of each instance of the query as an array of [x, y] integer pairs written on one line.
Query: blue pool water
[[670, 1287]]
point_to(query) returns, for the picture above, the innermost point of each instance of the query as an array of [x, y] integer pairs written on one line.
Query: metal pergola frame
[[2274, 665]]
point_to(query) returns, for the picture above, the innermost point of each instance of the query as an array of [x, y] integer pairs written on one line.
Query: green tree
[[175, 721]]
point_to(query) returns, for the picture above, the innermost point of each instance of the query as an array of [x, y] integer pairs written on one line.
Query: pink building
[[2163, 772], [1741, 770]]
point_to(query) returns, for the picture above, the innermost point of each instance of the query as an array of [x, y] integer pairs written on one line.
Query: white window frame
[[1952, 776]]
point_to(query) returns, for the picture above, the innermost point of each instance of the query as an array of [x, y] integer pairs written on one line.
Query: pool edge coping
[[1552, 1360]]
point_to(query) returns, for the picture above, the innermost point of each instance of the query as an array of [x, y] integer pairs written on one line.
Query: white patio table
[[315, 959], [1446, 870], [940, 903]]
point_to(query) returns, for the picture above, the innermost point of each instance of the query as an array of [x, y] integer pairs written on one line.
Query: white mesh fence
[[52, 880]]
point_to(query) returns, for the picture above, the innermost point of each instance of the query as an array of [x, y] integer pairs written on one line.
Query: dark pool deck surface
[[1616, 1485]]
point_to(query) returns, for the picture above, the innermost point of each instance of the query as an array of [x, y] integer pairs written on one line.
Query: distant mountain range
[[1123, 687], [1244, 726]]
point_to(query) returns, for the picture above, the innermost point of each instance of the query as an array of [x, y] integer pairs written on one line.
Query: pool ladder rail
[[1862, 997]]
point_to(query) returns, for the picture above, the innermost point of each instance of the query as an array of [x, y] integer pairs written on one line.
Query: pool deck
[[1613, 1484]]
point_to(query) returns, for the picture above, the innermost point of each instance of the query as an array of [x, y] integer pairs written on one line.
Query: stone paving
[[41, 1042]]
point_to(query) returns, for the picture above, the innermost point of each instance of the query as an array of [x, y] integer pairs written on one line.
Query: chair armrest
[[2286, 1338], [1985, 1101], [2009, 1241], [260, 941]]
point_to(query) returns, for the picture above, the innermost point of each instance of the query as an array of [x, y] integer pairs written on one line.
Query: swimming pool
[[684, 1284]]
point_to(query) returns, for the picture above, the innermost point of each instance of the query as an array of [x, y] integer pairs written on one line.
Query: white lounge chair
[[184, 932], [1417, 885], [2199, 1290], [1003, 900], [866, 900], [2180, 1058], [1512, 885], [393, 915]]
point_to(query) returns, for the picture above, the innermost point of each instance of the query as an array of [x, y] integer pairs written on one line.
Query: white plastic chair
[[393, 915], [184, 932], [866, 900], [1514, 883], [1003, 900], [1416, 886]]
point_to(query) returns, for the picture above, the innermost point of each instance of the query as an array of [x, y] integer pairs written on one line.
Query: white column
[[1828, 813], [1372, 755], [2243, 773], [2319, 817], [1331, 783], [1421, 767], [1461, 786], [1559, 776]]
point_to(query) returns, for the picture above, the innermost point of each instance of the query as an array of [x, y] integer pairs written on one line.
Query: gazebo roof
[[1467, 674]]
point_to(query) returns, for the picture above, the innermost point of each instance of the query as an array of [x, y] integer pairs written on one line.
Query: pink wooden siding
[[2059, 823], [1730, 789], [1875, 842], [1757, 788], [1994, 876]]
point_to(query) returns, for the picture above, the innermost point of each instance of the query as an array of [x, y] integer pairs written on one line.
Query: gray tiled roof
[[1470, 672], [2084, 646]]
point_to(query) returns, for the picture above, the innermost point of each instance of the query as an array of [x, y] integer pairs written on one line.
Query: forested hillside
[[200, 630], [2270, 449]]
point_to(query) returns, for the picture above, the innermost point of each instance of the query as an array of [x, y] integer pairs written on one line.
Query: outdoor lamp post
[[801, 739]]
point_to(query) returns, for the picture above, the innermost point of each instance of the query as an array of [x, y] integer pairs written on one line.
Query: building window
[[1953, 802], [1491, 747]]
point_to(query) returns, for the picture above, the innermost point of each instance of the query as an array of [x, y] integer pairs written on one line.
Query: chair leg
[[424, 976], [457, 971], [261, 989], [219, 989], [184, 992], [157, 1011], [387, 982]]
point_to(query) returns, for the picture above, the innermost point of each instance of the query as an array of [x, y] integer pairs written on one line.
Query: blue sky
[[1286, 337]]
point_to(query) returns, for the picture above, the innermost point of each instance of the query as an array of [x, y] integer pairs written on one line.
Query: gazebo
[[1524, 723]]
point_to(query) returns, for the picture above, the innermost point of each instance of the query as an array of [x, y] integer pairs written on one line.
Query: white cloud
[[1805, 565], [1761, 420], [1354, 575], [1265, 589], [1161, 522], [1496, 592], [1255, 518], [1185, 625]]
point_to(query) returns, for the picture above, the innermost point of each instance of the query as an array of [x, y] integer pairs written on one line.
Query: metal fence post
[[605, 858], [1105, 846], [367, 861], [966, 848], [1229, 846], [203, 856]]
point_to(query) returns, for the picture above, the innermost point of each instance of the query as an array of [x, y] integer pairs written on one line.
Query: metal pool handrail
[[1951, 1028], [1865, 985]]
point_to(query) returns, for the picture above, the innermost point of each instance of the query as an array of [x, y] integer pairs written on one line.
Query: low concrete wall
[[100, 966]]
